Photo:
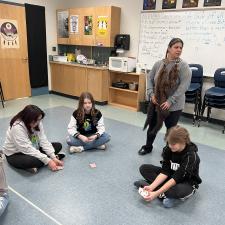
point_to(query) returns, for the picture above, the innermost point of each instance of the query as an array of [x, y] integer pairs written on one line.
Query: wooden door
[[14, 72]]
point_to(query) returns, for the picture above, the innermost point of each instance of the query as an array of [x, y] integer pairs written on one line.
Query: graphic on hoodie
[[35, 141], [87, 125]]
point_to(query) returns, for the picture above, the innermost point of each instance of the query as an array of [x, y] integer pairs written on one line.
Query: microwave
[[122, 64]]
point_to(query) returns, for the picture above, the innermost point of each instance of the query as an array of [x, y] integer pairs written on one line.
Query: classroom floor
[[105, 195]]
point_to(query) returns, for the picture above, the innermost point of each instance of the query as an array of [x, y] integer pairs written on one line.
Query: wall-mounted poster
[[149, 4], [74, 24], [102, 25], [190, 3], [169, 4], [9, 34], [212, 2], [88, 25], [62, 23]]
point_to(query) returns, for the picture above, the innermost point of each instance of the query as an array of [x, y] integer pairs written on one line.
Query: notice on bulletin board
[[74, 24], [102, 28], [9, 33]]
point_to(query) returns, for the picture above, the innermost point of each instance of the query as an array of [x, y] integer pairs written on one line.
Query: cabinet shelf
[[122, 89], [126, 98]]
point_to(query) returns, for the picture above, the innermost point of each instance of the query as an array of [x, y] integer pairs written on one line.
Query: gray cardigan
[[177, 95]]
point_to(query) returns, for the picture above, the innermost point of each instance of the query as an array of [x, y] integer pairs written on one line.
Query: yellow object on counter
[[70, 57]]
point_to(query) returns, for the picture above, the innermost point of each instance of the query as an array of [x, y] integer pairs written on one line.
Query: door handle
[[25, 59]]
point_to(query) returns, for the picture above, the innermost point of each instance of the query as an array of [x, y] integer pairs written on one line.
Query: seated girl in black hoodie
[[178, 178]]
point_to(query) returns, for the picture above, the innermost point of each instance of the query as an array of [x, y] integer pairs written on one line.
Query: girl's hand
[[92, 137], [151, 196], [58, 162], [165, 106], [52, 165], [83, 138], [148, 188], [154, 101]]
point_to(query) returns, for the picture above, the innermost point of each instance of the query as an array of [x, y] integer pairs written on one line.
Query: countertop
[[97, 67]]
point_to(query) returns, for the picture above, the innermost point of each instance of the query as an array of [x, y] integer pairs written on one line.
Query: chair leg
[[202, 111], [208, 113], [2, 95]]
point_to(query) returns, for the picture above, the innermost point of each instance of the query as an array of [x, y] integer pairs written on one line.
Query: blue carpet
[[39, 91], [79, 195]]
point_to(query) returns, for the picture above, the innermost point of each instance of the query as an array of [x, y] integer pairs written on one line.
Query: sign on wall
[[102, 25], [88, 25], [74, 24], [9, 33]]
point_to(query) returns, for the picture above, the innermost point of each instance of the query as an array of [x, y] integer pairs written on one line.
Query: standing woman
[[169, 80], [26, 146]]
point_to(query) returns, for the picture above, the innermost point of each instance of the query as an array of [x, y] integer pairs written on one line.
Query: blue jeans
[[4, 199], [72, 141]]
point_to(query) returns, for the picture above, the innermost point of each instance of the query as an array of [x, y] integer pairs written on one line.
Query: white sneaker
[[32, 170], [102, 147], [76, 149]]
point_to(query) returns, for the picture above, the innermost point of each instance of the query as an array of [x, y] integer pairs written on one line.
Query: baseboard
[[75, 97]]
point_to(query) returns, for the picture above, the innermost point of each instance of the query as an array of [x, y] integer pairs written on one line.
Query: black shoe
[[140, 183], [60, 155], [144, 150]]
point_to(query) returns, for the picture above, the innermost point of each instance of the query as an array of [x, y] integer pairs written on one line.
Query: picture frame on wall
[[169, 4], [190, 3], [149, 4], [212, 3]]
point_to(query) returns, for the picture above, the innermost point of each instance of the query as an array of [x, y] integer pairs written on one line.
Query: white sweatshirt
[[18, 141]]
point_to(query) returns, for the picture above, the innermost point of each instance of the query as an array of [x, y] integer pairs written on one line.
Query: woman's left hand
[[165, 105]]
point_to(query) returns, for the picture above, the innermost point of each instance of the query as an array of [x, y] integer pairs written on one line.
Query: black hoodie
[[182, 166]]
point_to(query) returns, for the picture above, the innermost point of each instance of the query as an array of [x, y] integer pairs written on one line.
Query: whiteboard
[[203, 33]]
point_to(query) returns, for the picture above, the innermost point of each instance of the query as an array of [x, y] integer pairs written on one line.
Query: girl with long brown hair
[[86, 127], [169, 80]]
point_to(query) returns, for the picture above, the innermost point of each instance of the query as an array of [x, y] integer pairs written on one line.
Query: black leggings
[[23, 161], [170, 121], [181, 190]]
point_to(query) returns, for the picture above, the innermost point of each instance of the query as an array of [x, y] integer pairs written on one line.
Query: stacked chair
[[1, 95], [193, 94], [215, 96]]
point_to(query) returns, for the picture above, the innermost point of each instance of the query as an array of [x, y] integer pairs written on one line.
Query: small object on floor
[[92, 165], [32, 170], [60, 167], [143, 192], [144, 151], [140, 183], [60, 155], [169, 202], [102, 147], [76, 149]]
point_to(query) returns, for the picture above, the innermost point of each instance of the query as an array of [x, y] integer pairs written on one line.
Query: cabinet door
[[88, 26], [97, 84], [62, 17], [75, 26], [63, 79], [80, 80], [107, 25]]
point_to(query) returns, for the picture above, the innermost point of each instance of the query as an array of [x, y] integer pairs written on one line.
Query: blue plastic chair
[[193, 94], [215, 96]]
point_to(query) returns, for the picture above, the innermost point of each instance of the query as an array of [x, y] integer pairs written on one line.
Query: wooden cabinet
[[73, 79], [93, 26], [68, 80], [107, 22], [97, 84], [125, 97]]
